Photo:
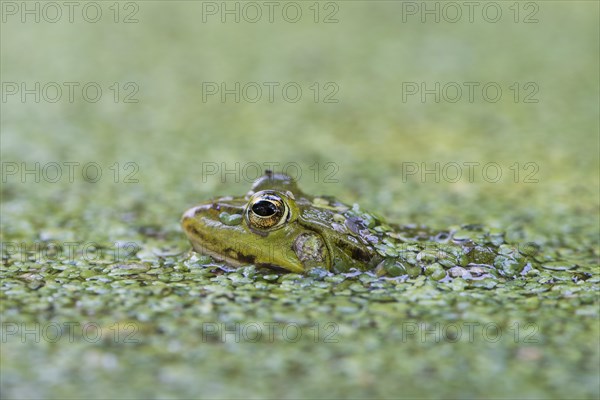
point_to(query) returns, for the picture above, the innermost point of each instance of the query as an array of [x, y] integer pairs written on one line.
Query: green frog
[[278, 226]]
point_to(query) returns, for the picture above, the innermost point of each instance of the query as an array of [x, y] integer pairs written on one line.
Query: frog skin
[[278, 226]]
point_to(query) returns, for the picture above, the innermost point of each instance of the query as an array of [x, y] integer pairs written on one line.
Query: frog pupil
[[264, 208]]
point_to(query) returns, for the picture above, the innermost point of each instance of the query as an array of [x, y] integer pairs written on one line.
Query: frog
[[277, 226]]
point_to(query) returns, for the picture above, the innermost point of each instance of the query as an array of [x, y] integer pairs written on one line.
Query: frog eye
[[267, 211]]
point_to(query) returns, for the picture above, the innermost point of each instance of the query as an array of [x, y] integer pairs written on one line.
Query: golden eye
[[267, 210]]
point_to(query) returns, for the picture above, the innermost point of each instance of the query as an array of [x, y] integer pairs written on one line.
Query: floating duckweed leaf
[[558, 266], [35, 285], [463, 235], [391, 267], [483, 283], [435, 271], [529, 249], [427, 256], [318, 273], [508, 265], [126, 269], [457, 272], [335, 279], [167, 252]]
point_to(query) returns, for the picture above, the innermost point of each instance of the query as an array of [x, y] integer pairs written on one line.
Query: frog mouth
[[235, 258], [235, 261], [241, 260]]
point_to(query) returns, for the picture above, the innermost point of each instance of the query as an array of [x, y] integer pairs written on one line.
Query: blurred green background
[[154, 62]]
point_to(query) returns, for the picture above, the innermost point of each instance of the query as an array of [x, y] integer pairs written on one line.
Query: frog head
[[276, 225]]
